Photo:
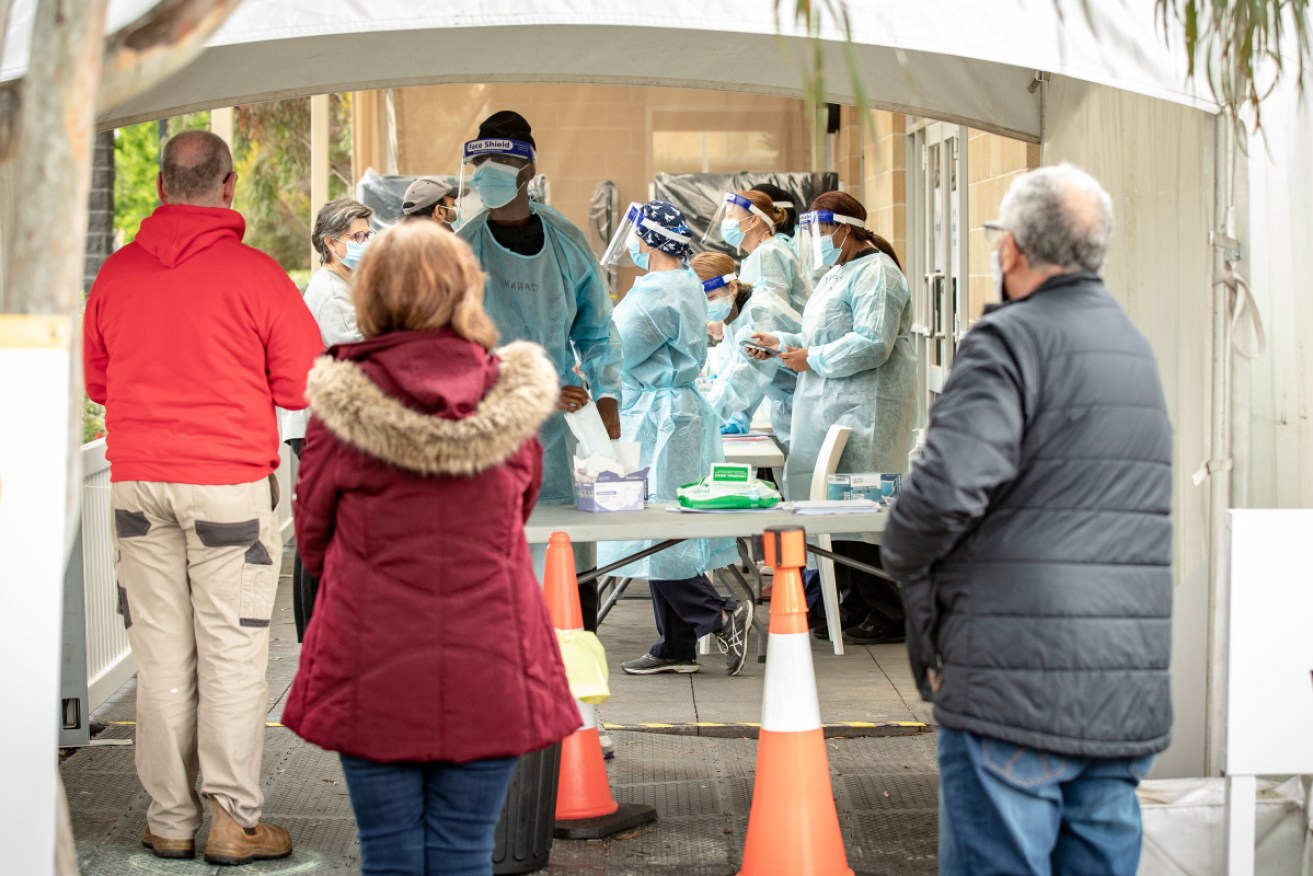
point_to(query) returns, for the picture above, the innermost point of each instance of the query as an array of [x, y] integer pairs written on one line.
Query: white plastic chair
[[827, 463]]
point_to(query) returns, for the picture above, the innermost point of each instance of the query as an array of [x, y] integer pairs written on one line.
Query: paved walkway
[[698, 777]]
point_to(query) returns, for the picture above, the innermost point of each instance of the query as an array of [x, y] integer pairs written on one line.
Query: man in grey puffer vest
[[1034, 545]]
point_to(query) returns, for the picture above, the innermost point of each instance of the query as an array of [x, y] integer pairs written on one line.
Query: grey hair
[[333, 220], [1060, 217], [194, 165]]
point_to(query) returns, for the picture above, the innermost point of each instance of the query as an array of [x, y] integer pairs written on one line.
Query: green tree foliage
[[1243, 47], [272, 159]]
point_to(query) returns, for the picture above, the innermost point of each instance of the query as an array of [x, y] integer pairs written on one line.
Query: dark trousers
[[866, 594], [685, 611], [304, 585]]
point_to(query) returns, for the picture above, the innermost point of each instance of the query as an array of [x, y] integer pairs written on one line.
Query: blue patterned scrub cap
[[675, 240]]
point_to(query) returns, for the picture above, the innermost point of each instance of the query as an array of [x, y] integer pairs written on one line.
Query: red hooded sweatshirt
[[190, 339]]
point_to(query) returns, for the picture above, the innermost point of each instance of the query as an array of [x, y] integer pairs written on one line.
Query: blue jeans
[[1005, 809], [427, 818]]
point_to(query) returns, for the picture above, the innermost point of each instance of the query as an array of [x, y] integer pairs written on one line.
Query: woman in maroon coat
[[430, 664]]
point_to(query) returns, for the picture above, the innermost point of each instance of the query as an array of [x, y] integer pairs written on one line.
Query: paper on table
[[846, 506]]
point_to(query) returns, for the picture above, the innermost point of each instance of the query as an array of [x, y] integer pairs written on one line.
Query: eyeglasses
[[994, 233], [359, 236]]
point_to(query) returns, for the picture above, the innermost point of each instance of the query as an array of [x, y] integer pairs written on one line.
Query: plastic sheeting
[[1185, 827], [699, 194]]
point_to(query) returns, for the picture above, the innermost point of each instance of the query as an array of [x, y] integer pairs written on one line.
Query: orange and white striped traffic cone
[[585, 808], [793, 826]]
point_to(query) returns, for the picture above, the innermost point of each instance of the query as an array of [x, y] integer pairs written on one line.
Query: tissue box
[[611, 492]]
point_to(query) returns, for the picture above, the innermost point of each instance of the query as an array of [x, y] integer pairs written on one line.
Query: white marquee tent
[[1114, 100]]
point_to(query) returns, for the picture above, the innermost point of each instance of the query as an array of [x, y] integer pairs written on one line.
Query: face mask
[[717, 310], [353, 253], [496, 184], [640, 258], [996, 268], [829, 252], [729, 229]]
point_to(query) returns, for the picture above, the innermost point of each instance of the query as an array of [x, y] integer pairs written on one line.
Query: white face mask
[[996, 269]]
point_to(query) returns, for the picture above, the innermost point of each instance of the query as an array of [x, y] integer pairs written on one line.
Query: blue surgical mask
[[718, 309], [640, 258], [497, 184], [729, 229], [353, 253], [829, 252]]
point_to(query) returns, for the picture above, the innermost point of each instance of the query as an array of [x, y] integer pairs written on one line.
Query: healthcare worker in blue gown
[[543, 286], [747, 221], [741, 382], [856, 367], [663, 330]]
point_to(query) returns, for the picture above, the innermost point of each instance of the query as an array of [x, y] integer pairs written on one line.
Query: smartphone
[[753, 345]]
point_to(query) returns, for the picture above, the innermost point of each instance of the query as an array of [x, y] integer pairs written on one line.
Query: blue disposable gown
[[863, 372], [741, 381], [663, 328], [556, 299], [774, 265]]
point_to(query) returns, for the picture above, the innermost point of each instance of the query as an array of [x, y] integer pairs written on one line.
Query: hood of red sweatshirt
[[176, 232]]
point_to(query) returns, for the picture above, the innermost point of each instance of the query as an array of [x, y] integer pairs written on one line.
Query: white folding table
[[757, 452], [667, 528]]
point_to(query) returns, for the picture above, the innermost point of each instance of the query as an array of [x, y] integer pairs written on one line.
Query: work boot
[[874, 631], [168, 848], [230, 843]]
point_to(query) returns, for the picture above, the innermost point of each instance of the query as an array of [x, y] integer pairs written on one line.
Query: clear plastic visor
[[617, 253], [719, 287], [813, 229], [737, 209], [504, 158]]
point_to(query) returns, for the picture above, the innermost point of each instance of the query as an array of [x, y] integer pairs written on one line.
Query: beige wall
[[590, 133], [993, 162], [1156, 161]]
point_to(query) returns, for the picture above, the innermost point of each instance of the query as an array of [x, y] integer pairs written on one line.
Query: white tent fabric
[[959, 60]]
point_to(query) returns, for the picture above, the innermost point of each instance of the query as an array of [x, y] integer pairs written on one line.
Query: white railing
[[109, 659]]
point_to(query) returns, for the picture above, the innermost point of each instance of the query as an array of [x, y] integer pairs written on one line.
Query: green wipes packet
[[725, 490]]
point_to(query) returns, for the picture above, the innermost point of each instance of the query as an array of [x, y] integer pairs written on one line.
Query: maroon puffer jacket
[[430, 639]]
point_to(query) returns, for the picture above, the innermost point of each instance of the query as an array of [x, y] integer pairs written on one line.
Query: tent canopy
[[958, 60]]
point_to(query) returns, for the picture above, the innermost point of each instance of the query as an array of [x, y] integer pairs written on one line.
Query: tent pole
[[1218, 465]]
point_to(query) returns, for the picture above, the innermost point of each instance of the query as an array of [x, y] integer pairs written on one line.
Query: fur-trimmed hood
[[492, 409]]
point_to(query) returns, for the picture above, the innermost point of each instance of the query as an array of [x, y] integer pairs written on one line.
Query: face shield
[[730, 220], [492, 173], [816, 245], [624, 249], [720, 296]]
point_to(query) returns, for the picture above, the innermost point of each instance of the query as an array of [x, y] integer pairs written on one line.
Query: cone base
[[794, 825], [628, 816]]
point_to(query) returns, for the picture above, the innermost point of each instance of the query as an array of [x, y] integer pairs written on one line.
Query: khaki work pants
[[197, 570]]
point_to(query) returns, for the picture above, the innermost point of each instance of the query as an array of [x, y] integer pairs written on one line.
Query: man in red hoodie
[[190, 340]]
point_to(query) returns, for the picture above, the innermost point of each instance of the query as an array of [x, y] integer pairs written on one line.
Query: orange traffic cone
[[793, 826], [585, 808]]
